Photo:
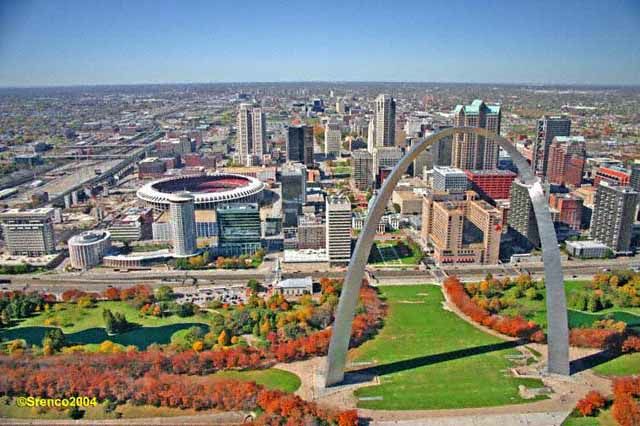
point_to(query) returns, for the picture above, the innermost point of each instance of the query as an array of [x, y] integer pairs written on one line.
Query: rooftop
[[475, 106]]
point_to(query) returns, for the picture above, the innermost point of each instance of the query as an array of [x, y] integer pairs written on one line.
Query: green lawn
[[86, 326], [420, 332], [624, 365], [536, 310], [604, 418], [73, 318], [271, 378], [388, 253]]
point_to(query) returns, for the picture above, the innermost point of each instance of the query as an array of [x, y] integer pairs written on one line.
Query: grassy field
[[624, 365], [428, 358], [604, 418], [86, 325], [272, 378], [536, 311], [388, 253], [72, 318]]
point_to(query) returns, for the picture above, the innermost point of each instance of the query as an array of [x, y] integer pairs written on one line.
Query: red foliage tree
[[591, 403]]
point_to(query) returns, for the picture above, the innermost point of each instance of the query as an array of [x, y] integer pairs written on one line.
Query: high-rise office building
[[566, 159], [449, 179], [239, 230], [470, 151], [300, 144], [522, 218], [385, 127], [338, 223], [362, 169], [547, 129], [332, 139], [341, 106], [183, 223], [252, 136], [28, 232], [613, 216], [294, 192]]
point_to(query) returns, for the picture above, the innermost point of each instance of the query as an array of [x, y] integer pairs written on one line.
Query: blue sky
[[58, 42]]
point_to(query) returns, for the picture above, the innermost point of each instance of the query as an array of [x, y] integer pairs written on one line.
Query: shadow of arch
[[558, 330]]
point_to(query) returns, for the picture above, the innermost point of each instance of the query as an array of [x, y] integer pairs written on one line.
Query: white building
[[332, 139], [587, 249], [28, 232], [338, 235], [183, 224], [89, 248], [371, 136], [295, 286], [449, 179]]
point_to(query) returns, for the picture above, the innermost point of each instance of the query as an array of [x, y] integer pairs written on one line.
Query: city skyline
[[74, 43]]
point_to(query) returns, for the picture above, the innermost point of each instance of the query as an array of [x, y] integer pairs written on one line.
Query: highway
[[98, 280]]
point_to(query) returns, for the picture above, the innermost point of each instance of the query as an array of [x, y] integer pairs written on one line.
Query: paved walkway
[[530, 419]]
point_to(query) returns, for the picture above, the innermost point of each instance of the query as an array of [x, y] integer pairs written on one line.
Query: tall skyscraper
[[362, 165], [183, 223], [338, 235], [522, 218], [28, 232], [332, 139], [566, 158], [300, 144], [252, 137], [613, 216], [294, 192], [547, 129], [385, 127], [471, 151]]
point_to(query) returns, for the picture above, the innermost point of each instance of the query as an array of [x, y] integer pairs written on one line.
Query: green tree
[[164, 293], [54, 340]]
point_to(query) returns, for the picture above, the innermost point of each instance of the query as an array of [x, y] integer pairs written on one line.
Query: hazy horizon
[[79, 43]]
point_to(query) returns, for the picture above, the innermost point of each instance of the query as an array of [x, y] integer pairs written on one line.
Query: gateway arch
[[558, 330]]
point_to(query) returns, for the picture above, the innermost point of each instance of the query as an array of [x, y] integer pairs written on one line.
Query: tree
[[254, 285], [53, 341], [185, 309], [223, 338], [164, 293]]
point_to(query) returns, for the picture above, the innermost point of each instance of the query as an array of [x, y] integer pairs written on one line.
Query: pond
[[140, 337]]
